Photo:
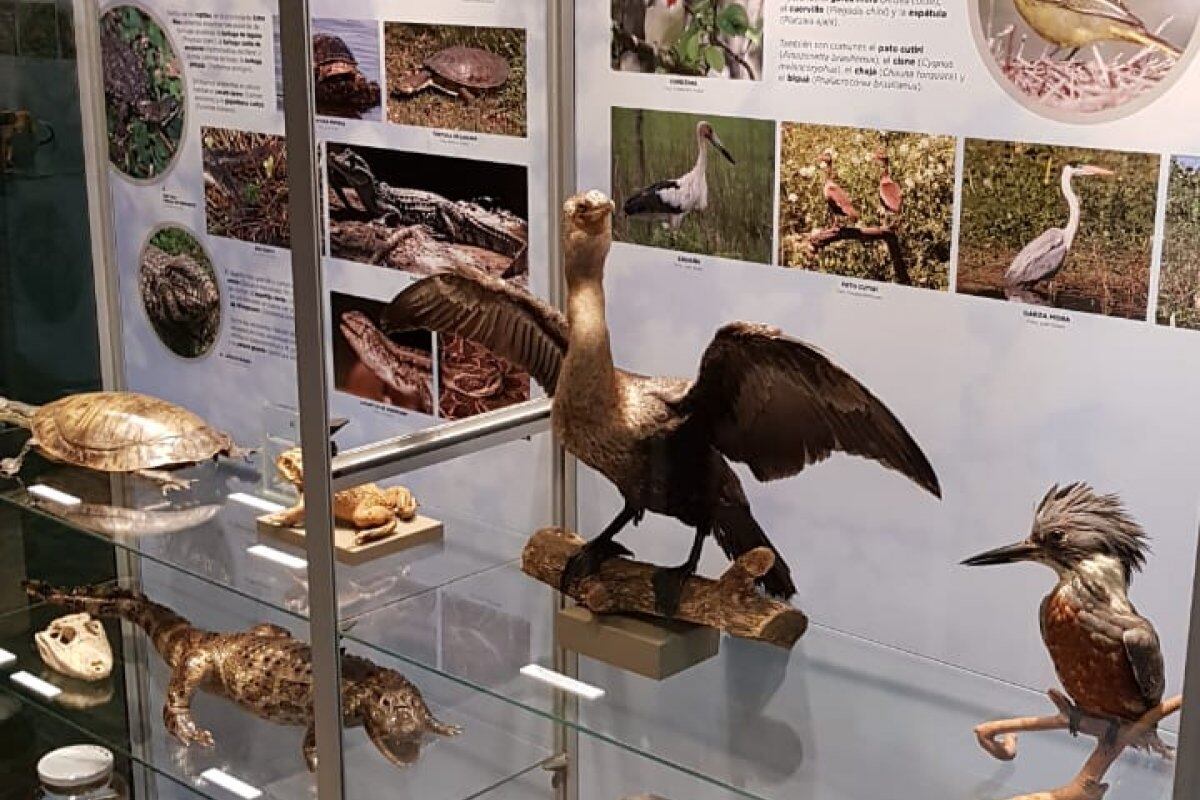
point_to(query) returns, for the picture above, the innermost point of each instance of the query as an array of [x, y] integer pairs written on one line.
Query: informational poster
[[984, 211], [432, 129]]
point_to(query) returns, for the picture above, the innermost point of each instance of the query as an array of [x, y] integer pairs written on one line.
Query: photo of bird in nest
[[1081, 57]]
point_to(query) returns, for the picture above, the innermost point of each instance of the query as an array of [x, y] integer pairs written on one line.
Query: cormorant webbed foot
[[668, 588], [589, 559]]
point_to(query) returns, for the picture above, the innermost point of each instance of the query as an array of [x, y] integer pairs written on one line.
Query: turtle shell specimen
[[457, 67], [124, 432]]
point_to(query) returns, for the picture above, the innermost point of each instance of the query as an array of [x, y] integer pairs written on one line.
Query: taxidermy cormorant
[[772, 402]]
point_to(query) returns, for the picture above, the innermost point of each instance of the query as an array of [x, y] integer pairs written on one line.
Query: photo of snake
[[367, 363], [179, 292]]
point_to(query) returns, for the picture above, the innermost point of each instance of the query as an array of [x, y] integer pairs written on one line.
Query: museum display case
[[342, 453]]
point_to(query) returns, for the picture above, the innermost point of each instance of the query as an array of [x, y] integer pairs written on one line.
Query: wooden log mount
[[999, 738], [622, 586]]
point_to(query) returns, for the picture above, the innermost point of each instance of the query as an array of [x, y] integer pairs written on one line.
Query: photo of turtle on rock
[[143, 93], [346, 68], [457, 77], [179, 292]]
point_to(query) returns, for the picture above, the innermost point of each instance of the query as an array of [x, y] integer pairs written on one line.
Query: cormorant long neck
[[1073, 204], [589, 362]]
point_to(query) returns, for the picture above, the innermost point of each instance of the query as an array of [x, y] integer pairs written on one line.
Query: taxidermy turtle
[[116, 432], [457, 71], [339, 82]]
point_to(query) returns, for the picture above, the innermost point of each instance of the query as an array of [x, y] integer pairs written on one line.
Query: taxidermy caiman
[[265, 671], [459, 222]]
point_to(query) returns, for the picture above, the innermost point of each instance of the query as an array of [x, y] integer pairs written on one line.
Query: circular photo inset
[[179, 292], [1085, 60], [143, 93]]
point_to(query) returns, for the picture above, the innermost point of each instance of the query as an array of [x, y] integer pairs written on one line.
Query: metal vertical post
[[105, 286], [560, 25], [304, 207], [1187, 765]]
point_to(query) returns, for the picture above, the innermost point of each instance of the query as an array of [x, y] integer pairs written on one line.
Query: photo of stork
[[1067, 227], [704, 38], [699, 184], [867, 204], [1080, 57], [1179, 274]]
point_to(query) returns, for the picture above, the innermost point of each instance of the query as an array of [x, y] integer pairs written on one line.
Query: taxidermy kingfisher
[[1106, 655], [775, 403]]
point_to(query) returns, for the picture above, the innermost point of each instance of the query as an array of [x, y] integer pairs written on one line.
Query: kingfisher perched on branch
[[1107, 656]]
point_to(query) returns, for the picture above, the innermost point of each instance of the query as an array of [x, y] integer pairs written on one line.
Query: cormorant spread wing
[[502, 317], [778, 405]]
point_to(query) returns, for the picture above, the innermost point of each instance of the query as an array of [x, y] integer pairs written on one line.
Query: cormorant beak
[[716, 142], [1021, 551]]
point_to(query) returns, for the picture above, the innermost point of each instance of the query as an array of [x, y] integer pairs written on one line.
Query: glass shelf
[[822, 722], [259, 753], [208, 533], [461, 620], [28, 731]]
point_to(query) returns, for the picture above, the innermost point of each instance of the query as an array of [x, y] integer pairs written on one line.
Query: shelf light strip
[[7, 659], [277, 556], [53, 495], [256, 503], [35, 685], [560, 681], [231, 784]]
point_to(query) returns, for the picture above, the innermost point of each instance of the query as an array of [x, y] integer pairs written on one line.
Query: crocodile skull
[[76, 645]]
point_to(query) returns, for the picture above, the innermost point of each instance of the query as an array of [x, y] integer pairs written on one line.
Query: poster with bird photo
[[1067, 227], [1179, 275], [705, 38], [699, 184], [1074, 59], [868, 204]]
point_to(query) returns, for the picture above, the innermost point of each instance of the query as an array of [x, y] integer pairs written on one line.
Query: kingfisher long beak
[[1021, 551], [717, 143]]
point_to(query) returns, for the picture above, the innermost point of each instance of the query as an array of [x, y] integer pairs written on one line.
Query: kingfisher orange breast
[[1094, 668]]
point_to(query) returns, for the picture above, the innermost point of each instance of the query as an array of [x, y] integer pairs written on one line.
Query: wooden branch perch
[[1000, 739], [732, 603], [820, 239]]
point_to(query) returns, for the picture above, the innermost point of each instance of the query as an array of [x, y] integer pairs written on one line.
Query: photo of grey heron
[[1065, 227]]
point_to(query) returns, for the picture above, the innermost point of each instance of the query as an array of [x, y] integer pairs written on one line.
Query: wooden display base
[[732, 603], [652, 648], [421, 530]]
